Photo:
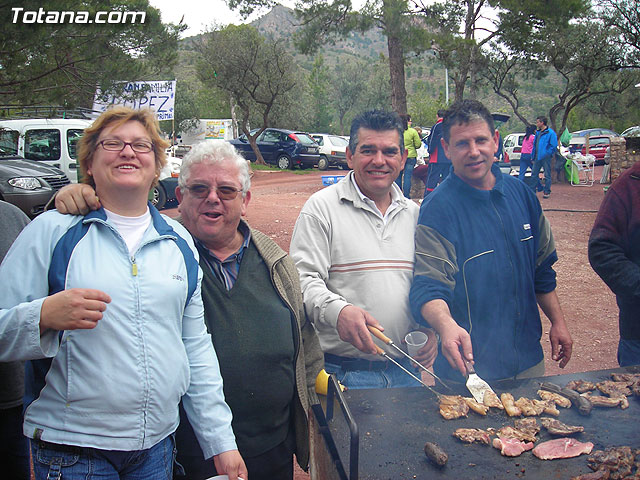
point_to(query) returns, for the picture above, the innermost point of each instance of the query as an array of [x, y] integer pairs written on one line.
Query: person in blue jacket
[[113, 299], [483, 261], [544, 148]]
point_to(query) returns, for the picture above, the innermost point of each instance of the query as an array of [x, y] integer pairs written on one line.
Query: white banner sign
[[158, 96]]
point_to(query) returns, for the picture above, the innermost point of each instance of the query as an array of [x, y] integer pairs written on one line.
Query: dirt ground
[[589, 306]]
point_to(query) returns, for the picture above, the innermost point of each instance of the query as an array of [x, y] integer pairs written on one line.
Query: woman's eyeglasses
[[224, 192], [139, 146]]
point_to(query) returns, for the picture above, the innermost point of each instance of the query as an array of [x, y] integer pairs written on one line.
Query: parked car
[[631, 132], [512, 146], [578, 138], [332, 150], [165, 191], [27, 184], [50, 141], [284, 148], [597, 147]]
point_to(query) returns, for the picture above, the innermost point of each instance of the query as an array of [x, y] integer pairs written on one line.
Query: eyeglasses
[[224, 192], [139, 146]]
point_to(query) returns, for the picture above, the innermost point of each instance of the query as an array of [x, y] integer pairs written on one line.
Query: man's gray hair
[[215, 152]]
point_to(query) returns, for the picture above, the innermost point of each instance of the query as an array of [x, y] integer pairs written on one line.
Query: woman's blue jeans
[[404, 179], [64, 462]]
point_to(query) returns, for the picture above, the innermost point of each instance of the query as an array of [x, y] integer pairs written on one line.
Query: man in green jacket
[[268, 351]]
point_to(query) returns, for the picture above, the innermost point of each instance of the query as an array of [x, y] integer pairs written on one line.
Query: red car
[[597, 147]]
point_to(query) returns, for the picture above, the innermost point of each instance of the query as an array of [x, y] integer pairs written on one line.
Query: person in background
[[412, 143], [481, 229], [439, 164], [544, 148], [353, 246], [113, 299], [525, 151], [614, 254], [14, 452], [268, 350]]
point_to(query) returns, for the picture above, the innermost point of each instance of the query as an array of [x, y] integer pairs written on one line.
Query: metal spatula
[[475, 384]]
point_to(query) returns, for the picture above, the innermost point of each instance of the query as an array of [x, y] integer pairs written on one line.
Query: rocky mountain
[[281, 22]]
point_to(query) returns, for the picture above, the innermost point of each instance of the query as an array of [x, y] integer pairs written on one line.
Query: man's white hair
[[215, 152]]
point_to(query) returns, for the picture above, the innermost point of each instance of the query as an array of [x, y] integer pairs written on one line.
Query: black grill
[[57, 182]]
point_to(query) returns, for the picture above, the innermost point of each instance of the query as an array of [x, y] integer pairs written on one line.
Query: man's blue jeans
[[535, 171], [628, 352], [63, 462], [390, 377]]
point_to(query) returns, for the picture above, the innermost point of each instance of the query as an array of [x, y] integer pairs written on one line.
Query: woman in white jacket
[[113, 299]]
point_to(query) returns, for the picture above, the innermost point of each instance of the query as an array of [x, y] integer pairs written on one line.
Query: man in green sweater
[[268, 351]]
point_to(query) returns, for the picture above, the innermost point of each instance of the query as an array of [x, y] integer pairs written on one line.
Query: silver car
[[27, 184]]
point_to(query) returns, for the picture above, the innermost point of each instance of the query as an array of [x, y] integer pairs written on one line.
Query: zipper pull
[[134, 268]]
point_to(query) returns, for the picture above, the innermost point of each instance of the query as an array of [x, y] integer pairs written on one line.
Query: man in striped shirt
[[353, 244]]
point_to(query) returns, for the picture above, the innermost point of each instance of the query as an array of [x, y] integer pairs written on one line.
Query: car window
[[271, 136], [508, 142], [598, 141], [319, 139], [305, 139], [42, 144], [9, 142], [339, 141], [73, 135]]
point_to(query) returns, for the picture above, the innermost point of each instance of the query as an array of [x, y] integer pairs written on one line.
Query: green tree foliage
[[582, 53], [325, 21], [257, 73], [623, 16], [63, 63], [349, 85], [319, 86]]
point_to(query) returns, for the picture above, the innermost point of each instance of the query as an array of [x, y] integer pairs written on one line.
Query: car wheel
[[323, 163], [284, 162], [158, 197]]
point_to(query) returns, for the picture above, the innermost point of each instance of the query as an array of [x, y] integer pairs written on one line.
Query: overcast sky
[[198, 14]]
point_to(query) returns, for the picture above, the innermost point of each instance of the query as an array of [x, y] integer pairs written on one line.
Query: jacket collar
[[159, 223], [466, 189]]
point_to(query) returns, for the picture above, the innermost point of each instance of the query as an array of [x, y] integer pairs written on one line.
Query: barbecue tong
[[381, 336]]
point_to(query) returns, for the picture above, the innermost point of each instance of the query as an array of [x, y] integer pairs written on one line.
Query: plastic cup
[[415, 341]]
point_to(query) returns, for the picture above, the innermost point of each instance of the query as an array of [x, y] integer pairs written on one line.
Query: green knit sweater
[[251, 329]]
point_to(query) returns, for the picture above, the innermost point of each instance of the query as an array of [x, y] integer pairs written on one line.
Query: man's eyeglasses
[[224, 192], [139, 146]]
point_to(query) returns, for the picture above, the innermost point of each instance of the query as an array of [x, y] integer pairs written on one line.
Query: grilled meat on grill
[[476, 407], [561, 448], [453, 406], [602, 401], [491, 400], [556, 427], [614, 389], [510, 405], [436, 454], [617, 461], [581, 386], [511, 447], [472, 435], [556, 398]]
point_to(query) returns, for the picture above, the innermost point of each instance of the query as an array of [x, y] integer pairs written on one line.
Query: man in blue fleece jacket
[[484, 256]]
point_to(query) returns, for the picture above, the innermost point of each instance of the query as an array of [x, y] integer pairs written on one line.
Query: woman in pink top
[[525, 152]]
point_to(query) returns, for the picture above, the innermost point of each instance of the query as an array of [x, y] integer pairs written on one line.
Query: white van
[[47, 140]]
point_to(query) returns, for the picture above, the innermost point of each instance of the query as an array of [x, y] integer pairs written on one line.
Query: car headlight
[[25, 183]]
